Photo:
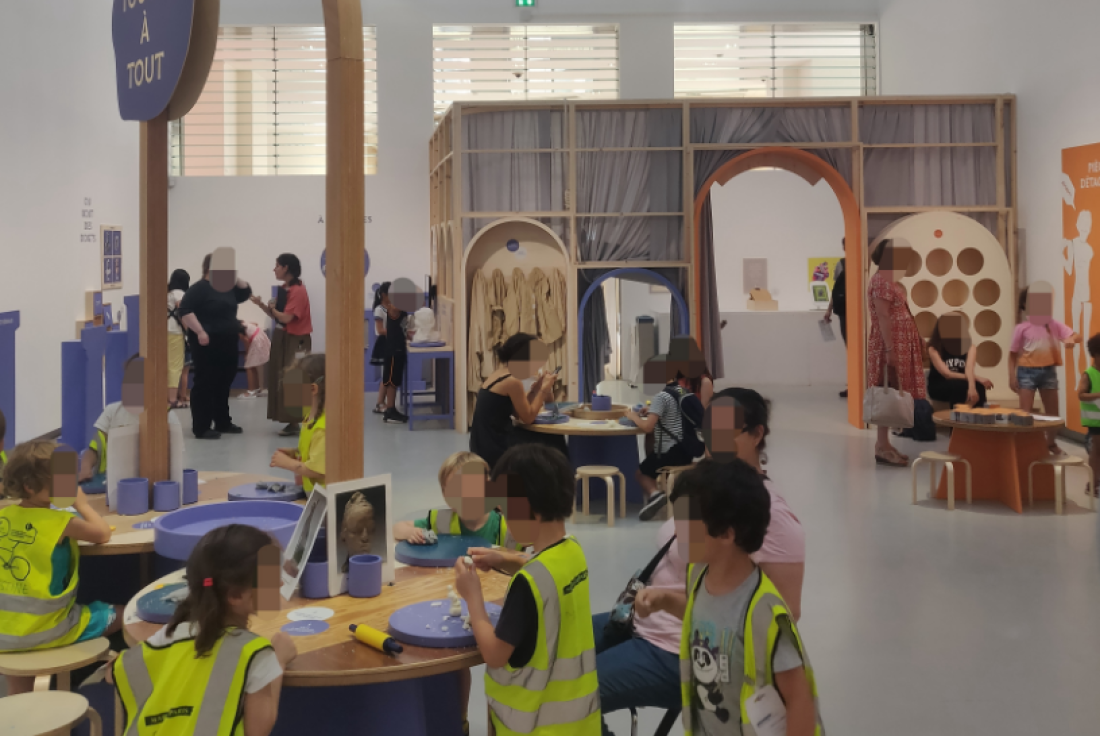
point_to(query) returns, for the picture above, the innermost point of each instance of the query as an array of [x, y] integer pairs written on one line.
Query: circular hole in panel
[[955, 293], [971, 261], [989, 354], [925, 294], [915, 264], [926, 322], [987, 323], [987, 292], [938, 262]]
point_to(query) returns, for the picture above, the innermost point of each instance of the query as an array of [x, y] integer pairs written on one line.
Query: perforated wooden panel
[[961, 268]]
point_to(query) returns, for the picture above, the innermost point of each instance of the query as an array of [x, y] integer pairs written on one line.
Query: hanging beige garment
[[559, 294], [498, 295], [527, 321], [551, 319], [479, 346], [511, 311]]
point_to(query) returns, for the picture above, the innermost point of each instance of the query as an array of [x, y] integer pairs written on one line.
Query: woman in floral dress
[[895, 341]]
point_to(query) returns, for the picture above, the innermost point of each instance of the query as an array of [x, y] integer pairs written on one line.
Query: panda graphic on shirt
[[710, 669]]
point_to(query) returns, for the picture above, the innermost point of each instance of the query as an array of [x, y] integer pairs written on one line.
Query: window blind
[[524, 62], [262, 111], [809, 60]]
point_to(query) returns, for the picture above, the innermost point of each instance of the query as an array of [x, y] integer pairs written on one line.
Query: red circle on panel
[[939, 233]]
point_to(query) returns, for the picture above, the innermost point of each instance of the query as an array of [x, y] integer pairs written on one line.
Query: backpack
[[691, 421], [923, 429]]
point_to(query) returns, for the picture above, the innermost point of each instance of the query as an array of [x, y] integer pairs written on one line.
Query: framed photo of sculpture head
[[358, 522], [301, 544]]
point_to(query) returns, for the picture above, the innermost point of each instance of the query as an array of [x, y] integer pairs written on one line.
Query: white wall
[[61, 140], [776, 215], [1045, 53]]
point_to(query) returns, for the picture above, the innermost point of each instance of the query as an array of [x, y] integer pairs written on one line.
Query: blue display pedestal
[[9, 323]]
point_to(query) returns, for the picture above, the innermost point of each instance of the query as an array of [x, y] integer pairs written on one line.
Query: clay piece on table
[[436, 604], [468, 560], [430, 537], [443, 628], [456, 602], [466, 622]]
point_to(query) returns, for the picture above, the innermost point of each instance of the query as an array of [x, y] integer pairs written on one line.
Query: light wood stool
[[607, 473], [41, 663], [50, 713], [1059, 463], [932, 457], [666, 481]]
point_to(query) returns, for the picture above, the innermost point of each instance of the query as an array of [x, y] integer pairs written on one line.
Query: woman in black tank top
[[502, 397], [953, 357]]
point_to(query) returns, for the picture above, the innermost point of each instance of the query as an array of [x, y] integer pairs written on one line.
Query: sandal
[[892, 458]]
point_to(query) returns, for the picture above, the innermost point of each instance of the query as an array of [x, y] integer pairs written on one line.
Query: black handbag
[[621, 621]]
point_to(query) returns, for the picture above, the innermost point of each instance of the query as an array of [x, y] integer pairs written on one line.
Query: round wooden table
[[592, 442], [415, 692], [1000, 455]]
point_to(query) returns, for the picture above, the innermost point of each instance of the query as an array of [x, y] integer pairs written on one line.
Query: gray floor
[[918, 621]]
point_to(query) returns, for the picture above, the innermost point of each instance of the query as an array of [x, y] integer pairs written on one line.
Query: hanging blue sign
[[324, 263], [151, 39]]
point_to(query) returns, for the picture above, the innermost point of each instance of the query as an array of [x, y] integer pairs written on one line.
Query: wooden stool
[[607, 473], [666, 481], [41, 663], [50, 713], [932, 457], [1059, 463]]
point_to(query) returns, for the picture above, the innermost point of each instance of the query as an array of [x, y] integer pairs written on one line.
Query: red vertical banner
[[1080, 201]]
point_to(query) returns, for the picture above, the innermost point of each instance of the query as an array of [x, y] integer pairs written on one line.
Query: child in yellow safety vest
[[40, 558], [304, 386], [3, 434], [462, 477], [742, 663], [204, 672], [541, 656], [1088, 393]]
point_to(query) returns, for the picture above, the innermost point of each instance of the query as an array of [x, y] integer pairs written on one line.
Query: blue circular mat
[[441, 554], [156, 607], [423, 624]]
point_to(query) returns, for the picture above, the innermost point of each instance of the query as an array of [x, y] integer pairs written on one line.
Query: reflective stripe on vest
[[766, 615], [219, 712], [30, 616], [305, 438], [1090, 411], [552, 694]]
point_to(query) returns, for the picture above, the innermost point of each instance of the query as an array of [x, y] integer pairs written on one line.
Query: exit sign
[[525, 3]]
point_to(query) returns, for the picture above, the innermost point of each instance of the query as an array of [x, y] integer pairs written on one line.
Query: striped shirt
[[667, 409]]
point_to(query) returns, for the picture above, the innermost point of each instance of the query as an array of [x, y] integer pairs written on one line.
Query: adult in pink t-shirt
[[290, 338], [644, 670]]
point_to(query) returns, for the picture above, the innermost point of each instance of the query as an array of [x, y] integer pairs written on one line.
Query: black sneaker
[[844, 394], [230, 429], [393, 415], [209, 434], [655, 503], [289, 430]]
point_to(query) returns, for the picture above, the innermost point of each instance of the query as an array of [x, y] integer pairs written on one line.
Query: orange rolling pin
[[380, 640]]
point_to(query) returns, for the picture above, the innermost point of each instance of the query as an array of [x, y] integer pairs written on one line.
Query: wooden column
[[344, 240], [153, 290]]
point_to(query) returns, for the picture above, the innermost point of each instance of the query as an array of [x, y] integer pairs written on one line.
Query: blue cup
[[190, 487], [365, 576], [319, 553], [601, 403], [166, 495], [314, 582], [132, 497]]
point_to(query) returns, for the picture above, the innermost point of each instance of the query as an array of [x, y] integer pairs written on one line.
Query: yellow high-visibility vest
[[556, 693], [765, 616], [1090, 410], [305, 437], [446, 521], [99, 444], [168, 691], [30, 616]]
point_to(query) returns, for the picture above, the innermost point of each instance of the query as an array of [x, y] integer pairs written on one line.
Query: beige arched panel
[[964, 267]]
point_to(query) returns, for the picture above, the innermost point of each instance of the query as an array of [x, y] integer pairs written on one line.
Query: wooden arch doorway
[[812, 169]]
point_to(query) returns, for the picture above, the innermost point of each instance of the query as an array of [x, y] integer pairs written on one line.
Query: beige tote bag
[[887, 407]]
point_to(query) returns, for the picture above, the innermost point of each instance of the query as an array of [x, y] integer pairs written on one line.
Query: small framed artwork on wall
[[110, 256]]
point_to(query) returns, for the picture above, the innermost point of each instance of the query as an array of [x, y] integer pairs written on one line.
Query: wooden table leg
[[1030, 447], [999, 463]]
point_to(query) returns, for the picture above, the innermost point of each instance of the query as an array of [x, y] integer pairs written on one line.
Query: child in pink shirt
[[1035, 353]]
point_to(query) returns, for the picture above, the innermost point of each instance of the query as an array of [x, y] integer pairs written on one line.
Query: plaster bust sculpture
[[424, 319]]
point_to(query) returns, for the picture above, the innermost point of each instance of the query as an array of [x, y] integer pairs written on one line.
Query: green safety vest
[[99, 444], [1090, 412], [556, 693], [766, 614], [446, 521], [305, 436], [30, 617], [168, 691]]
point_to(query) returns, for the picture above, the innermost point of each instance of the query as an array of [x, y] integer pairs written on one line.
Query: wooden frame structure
[[448, 155]]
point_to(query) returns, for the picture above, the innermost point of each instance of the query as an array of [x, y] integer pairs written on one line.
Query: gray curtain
[[514, 182]]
